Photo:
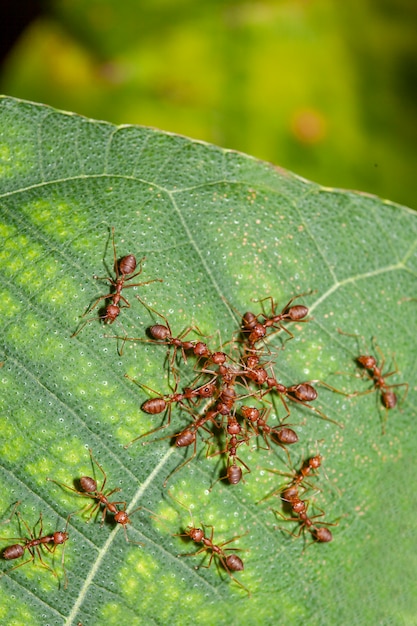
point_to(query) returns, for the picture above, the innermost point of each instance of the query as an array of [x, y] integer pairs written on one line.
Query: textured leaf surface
[[213, 224]]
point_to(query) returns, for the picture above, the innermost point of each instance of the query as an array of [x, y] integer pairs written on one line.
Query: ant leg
[[93, 460], [177, 469]]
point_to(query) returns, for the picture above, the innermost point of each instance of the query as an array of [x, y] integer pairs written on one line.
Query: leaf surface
[[220, 229]]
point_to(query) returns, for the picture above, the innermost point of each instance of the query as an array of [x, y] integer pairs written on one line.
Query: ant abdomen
[[290, 494], [296, 312], [13, 552], [322, 535], [303, 392], [88, 484], [159, 331], [389, 399], [186, 438], [249, 320], [127, 264], [154, 406], [234, 563], [285, 435], [234, 474]]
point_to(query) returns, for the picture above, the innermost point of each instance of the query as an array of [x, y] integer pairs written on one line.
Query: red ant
[[34, 544], [90, 490], [301, 393], [254, 370], [122, 268], [257, 330], [163, 334], [280, 434], [320, 534], [230, 563], [188, 436], [233, 471], [154, 406], [374, 372], [290, 491]]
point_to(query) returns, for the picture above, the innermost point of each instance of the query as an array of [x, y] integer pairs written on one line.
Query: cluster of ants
[[218, 397]]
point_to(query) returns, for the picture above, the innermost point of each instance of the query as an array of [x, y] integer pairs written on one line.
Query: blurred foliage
[[324, 88]]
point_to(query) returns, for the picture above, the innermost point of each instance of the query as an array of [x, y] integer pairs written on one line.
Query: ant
[[188, 436], [154, 406], [257, 330], [125, 266], [33, 545], [302, 393], [163, 334], [374, 372], [279, 434], [290, 491], [233, 471], [254, 370], [320, 534], [230, 563], [90, 490]]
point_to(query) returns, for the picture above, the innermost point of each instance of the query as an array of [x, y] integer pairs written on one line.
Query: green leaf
[[220, 229]]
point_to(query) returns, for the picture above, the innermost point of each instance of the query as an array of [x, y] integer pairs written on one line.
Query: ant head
[[207, 391], [200, 349], [121, 517], [112, 311], [233, 427], [60, 537], [196, 534], [368, 362], [219, 358], [250, 413], [315, 461]]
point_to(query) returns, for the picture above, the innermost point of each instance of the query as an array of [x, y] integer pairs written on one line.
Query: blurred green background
[[324, 88]]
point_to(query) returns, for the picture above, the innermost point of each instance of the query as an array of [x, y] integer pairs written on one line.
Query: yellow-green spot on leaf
[[12, 255], [52, 216], [9, 306], [140, 562], [10, 161], [13, 443], [6, 230]]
